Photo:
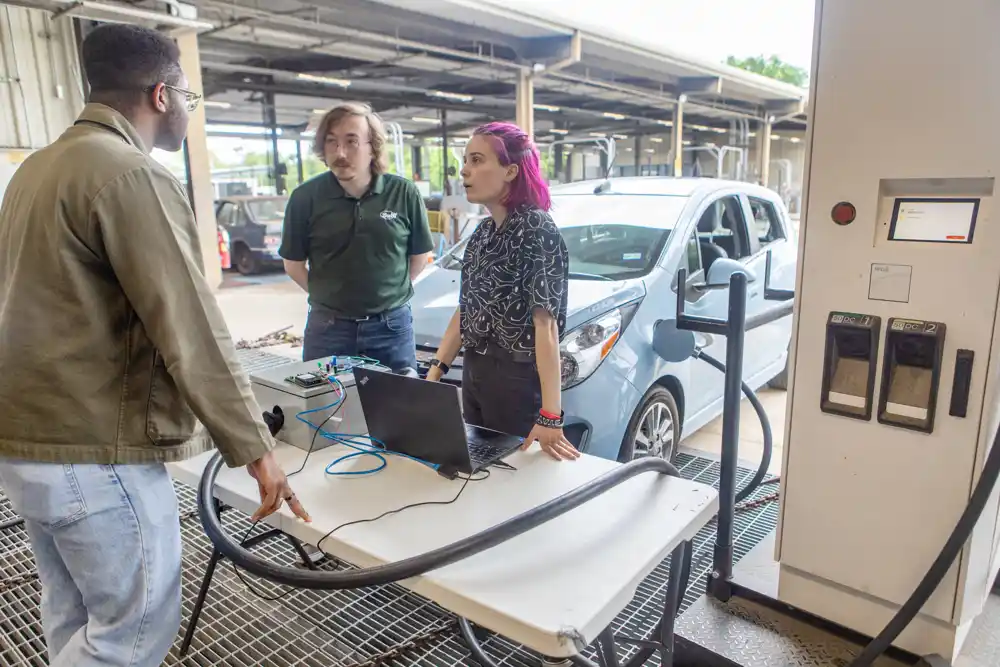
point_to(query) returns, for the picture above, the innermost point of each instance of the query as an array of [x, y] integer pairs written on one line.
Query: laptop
[[424, 420]]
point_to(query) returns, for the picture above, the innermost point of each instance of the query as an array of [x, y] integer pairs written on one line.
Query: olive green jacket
[[112, 346]]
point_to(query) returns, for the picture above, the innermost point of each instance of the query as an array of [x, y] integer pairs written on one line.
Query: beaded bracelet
[[549, 422]]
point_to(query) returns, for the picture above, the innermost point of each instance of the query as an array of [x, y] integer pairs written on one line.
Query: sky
[[709, 29]]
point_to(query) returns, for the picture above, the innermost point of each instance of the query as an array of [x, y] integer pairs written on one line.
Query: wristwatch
[[440, 364]]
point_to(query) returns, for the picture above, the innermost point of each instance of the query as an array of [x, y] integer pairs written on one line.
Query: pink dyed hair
[[513, 146]]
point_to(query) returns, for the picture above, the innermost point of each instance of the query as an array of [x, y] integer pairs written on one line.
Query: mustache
[[341, 163]]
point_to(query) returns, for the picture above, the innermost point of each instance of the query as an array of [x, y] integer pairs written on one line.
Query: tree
[[773, 67]]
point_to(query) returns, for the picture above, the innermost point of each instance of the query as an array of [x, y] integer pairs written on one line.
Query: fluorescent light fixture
[[569, 145], [425, 119], [668, 123], [656, 140], [320, 111], [558, 131], [620, 137], [100, 11], [239, 129], [598, 134], [407, 136], [687, 142], [546, 107], [752, 134], [720, 130], [628, 150], [343, 83], [616, 116], [775, 137], [794, 140], [308, 134], [217, 105], [650, 150], [450, 96]]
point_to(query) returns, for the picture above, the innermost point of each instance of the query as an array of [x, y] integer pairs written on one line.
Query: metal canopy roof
[[413, 59]]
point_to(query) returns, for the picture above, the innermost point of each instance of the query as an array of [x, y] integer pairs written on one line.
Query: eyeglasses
[[191, 99], [351, 145]]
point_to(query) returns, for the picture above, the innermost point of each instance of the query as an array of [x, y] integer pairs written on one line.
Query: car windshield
[[609, 237], [265, 210]]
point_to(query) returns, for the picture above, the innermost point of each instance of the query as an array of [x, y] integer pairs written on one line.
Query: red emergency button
[[844, 213]]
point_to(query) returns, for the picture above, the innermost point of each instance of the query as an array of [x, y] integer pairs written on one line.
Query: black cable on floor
[[13, 523]]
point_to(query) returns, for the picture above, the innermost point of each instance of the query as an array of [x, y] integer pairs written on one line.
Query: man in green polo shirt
[[354, 239]]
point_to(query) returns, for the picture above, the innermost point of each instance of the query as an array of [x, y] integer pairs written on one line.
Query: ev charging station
[[893, 399]]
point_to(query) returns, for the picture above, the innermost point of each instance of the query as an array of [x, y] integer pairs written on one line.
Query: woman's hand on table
[[274, 488], [553, 442]]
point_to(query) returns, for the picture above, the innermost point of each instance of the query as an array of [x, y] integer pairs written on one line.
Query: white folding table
[[554, 589]]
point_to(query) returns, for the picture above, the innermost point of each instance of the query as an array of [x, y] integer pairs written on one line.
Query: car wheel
[[654, 429], [245, 261]]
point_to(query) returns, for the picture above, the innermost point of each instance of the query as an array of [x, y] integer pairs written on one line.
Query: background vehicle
[[254, 227], [627, 239]]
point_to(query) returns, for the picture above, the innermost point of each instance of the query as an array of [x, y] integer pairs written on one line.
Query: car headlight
[[584, 348]]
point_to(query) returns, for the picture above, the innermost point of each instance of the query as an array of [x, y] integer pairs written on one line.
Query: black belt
[[491, 348], [363, 318]]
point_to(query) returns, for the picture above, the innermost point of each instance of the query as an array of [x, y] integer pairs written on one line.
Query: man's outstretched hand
[[274, 488]]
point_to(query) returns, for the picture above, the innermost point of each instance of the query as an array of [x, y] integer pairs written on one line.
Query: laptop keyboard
[[483, 450]]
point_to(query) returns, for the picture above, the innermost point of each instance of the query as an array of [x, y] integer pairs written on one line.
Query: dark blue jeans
[[387, 337]]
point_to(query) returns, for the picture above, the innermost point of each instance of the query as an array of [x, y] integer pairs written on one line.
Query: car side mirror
[[721, 271]]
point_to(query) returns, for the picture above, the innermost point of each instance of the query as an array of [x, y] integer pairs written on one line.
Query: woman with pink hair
[[512, 304]]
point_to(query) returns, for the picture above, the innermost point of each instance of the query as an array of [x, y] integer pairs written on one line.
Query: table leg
[[472, 642], [661, 638], [608, 648], [202, 592], [680, 561], [206, 581]]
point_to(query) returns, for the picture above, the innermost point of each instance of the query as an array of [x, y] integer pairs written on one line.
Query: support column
[[415, 155], [557, 167], [677, 136], [298, 160], [525, 100], [637, 149], [276, 164], [445, 184], [765, 149], [200, 165]]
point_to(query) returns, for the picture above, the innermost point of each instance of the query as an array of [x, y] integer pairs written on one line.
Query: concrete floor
[[257, 305]]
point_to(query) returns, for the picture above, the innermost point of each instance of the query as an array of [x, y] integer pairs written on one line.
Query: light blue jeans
[[107, 544]]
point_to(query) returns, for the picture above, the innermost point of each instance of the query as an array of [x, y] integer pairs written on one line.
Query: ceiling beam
[[699, 85]]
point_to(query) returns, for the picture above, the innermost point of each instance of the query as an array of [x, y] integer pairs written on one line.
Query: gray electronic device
[[302, 386]]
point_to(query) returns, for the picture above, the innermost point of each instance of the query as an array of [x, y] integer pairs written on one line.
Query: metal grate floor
[[345, 628]]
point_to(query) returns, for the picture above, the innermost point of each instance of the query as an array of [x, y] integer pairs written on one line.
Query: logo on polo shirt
[[388, 215]]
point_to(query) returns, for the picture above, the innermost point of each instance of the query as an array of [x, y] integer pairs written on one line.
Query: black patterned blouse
[[507, 274]]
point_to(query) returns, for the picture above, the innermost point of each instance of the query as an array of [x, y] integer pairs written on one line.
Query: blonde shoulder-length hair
[[376, 132]]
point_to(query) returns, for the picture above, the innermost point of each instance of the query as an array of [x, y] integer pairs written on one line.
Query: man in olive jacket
[[114, 360]]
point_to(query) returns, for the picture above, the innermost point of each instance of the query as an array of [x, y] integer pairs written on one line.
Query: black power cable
[[765, 425], [959, 536], [416, 565]]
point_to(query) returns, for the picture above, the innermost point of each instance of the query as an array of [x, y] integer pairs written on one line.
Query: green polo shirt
[[358, 249]]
